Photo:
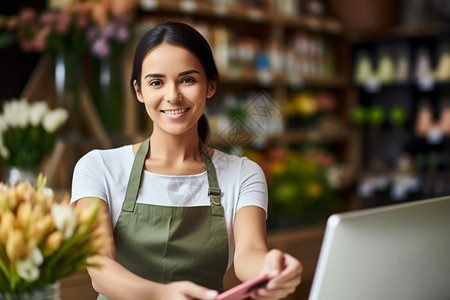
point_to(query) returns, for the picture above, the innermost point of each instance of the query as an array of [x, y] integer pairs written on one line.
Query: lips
[[173, 112]]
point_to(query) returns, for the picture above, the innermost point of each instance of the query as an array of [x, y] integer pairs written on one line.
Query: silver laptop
[[398, 252]]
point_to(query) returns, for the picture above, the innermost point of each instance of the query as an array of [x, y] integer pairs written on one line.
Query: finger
[[292, 270], [286, 285], [194, 291], [274, 262], [263, 294]]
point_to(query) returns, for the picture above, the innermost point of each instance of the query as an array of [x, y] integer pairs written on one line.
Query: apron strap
[[214, 191], [135, 177]]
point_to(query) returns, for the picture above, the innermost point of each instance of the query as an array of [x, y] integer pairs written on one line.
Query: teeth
[[174, 112]]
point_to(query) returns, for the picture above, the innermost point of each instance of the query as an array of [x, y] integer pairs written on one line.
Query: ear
[[212, 87], [138, 93]]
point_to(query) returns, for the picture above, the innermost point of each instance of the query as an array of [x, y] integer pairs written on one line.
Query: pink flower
[[11, 24], [122, 34], [63, 20], [27, 15], [100, 48], [40, 40], [82, 19], [48, 18], [108, 30]]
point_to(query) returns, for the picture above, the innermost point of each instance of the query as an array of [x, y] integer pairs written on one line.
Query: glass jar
[[48, 292]]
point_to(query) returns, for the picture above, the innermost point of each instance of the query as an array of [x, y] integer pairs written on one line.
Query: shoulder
[[108, 153], [97, 158], [240, 166]]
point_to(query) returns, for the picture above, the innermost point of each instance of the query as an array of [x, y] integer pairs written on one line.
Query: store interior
[[344, 104]]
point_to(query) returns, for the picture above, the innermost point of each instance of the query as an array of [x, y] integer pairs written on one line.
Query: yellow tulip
[[15, 245], [43, 226], [3, 199], [12, 199], [83, 215], [31, 244], [24, 214], [100, 245], [6, 225], [52, 243]]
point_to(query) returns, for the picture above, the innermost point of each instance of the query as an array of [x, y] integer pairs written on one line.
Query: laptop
[[398, 252]]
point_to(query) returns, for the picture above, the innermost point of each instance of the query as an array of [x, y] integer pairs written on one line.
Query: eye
[[188, 80], [155, 83]]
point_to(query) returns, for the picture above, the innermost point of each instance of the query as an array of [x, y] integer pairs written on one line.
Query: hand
[[285, 273], [184, 290]]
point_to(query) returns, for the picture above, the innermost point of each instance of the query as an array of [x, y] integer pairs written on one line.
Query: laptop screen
[[400, 251]]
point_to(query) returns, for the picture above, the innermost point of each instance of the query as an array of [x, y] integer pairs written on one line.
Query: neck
[[174, 148]]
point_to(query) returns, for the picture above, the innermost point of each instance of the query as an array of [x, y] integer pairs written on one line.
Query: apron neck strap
[[135, 177], [134, 181], [214, 190]]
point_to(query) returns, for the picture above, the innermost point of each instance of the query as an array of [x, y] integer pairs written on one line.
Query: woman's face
[[174, 89]]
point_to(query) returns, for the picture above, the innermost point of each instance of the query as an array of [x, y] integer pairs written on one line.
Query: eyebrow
[[184, 73]]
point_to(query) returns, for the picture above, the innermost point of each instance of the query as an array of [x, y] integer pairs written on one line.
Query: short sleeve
[[88, 178], [253, 186]]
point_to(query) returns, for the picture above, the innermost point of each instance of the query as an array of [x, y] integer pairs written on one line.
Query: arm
[[116, 282], [252, 256], [250, 240]]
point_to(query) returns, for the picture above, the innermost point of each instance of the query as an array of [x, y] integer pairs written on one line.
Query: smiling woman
[[180, 212], [173, 88]]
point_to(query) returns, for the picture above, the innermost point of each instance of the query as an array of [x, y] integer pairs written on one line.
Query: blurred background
[[345, 104]]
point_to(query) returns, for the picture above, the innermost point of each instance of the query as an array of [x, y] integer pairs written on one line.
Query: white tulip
[[65, 220], [55, 119], [28, 268], [36, 256], [17, 113], [48, 192], [3, 124], [3, 150], [38, 110]]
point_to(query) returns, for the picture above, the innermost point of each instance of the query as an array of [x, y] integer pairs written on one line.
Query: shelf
[[251, 77], [410, 31], [337, 81], [289, 137], [205, 9], [302, 136]]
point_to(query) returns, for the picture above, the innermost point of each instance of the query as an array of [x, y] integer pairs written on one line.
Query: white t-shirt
[[104, 174]]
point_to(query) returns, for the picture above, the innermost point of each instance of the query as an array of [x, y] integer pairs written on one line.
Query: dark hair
[[182, 35]]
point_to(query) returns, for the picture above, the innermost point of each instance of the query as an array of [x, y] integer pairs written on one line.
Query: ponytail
[[203, 128]]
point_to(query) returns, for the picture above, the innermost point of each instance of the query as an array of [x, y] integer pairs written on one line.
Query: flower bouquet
[[27, 132], [300, 190], [41, 240]]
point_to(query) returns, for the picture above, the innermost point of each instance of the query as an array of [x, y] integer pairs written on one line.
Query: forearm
[[249, 264], [114, 281], [251, 244]]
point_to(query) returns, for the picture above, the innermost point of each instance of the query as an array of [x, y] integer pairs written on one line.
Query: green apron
[[166, 244]]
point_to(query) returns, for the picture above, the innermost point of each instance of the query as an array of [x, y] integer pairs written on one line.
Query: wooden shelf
[[251, 77], [290, 137], [248, 14], [301, 136], [409, 31]]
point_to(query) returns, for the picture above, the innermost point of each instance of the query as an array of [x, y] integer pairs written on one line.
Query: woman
[[180, 212]]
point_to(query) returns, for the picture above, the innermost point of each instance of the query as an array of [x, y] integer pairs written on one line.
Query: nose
[[173, 94]]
